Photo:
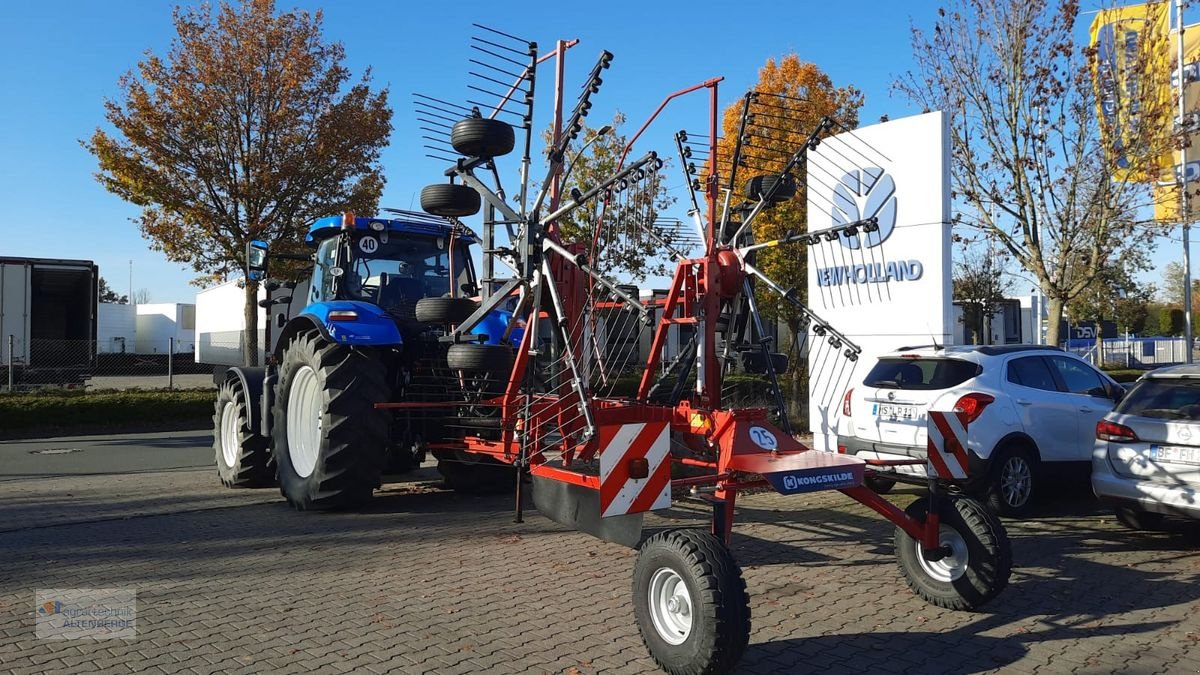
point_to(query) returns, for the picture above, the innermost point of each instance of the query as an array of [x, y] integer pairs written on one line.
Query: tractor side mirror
[[256, 260]]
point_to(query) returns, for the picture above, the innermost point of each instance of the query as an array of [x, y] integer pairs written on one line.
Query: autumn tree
[[981, 286], [245, 130], [1060, 193], [1172, 288], [107, 294], [793, 97], [630, 240]]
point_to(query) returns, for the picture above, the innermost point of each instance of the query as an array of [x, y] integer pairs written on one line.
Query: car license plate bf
[[1175, 455], [892, 411]]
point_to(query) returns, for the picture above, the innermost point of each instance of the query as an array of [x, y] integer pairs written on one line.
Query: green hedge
[[49, 410], [1124, 374]]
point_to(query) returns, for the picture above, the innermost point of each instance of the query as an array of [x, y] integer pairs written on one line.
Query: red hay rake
[[598, 431]]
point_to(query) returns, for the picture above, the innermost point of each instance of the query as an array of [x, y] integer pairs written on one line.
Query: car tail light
[[1111, 431], [343, 315], [842, 449], [846, 403], [972, 405]]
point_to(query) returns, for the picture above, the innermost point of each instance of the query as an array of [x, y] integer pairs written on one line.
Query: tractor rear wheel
[[243, 456], [450, 200], [481, 137], [977, 560], [329, 439], [690, 602]]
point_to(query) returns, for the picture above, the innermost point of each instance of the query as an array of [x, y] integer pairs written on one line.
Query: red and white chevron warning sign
[[947, 445], [621, 446]]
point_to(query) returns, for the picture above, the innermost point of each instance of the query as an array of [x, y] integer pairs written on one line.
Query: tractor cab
[[379, 261], [390, 264]]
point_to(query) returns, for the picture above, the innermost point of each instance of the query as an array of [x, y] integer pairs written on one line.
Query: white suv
[[1026, 405]]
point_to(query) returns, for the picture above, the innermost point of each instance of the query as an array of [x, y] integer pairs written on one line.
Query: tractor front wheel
[[328, 437], [690, 602], [243, 457], [976, 555]]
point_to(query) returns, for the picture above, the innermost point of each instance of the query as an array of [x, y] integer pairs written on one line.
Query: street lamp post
[[574, 158]]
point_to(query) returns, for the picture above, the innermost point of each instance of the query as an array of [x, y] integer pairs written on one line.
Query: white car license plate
[[1175, 455], [896, 412]]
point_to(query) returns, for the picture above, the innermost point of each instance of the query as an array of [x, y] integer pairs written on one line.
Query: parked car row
[[1031, 409]]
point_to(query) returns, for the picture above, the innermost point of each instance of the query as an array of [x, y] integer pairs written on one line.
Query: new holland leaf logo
[[862, 194]]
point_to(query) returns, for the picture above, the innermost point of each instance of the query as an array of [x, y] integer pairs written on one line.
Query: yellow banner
[[1132, 58], [1166, 192]]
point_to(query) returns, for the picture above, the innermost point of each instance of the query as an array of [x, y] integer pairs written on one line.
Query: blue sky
[[62, 58]]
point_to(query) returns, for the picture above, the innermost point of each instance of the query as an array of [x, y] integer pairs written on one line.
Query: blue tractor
[[366, 328]]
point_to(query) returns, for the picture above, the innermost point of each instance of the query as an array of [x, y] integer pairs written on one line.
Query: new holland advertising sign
[[892, 287]]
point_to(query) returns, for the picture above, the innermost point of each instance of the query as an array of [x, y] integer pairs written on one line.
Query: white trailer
[[48, 318], [221, 324], [116, 328], [158, 322]]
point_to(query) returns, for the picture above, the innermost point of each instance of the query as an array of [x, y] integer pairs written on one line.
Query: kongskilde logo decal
[[862, 194], [810, 480]]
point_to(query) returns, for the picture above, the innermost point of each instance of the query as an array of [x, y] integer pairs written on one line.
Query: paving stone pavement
[[427, 581]]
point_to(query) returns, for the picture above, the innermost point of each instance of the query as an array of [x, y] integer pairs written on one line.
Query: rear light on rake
[[972, 406], [1111, 431], [343, 315], [846, 403], [638, 467]]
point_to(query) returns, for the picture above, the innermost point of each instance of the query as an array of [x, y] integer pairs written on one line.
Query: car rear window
[[901, 373], [1172, 399]]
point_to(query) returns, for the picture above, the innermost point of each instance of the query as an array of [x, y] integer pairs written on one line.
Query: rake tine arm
[[590, 194], [736, 159], [580, 261], [867, 225], [790, 296], [811, 142]]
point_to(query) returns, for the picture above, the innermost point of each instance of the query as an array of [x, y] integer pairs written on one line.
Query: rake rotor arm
[[489, 196], [780, 406], [789, 294]]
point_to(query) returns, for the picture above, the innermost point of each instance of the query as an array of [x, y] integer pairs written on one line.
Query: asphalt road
[[105, 454]]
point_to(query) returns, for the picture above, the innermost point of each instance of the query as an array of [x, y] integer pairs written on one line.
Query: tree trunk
[[250, 345], [1054, 315], [1099, 345], [797, 379]]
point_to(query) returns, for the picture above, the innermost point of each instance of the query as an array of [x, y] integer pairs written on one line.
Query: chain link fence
[[167, 363], [1148, 352]]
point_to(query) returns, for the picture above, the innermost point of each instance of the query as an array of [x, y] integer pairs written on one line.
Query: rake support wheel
[[978, 560], [690, 602]]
